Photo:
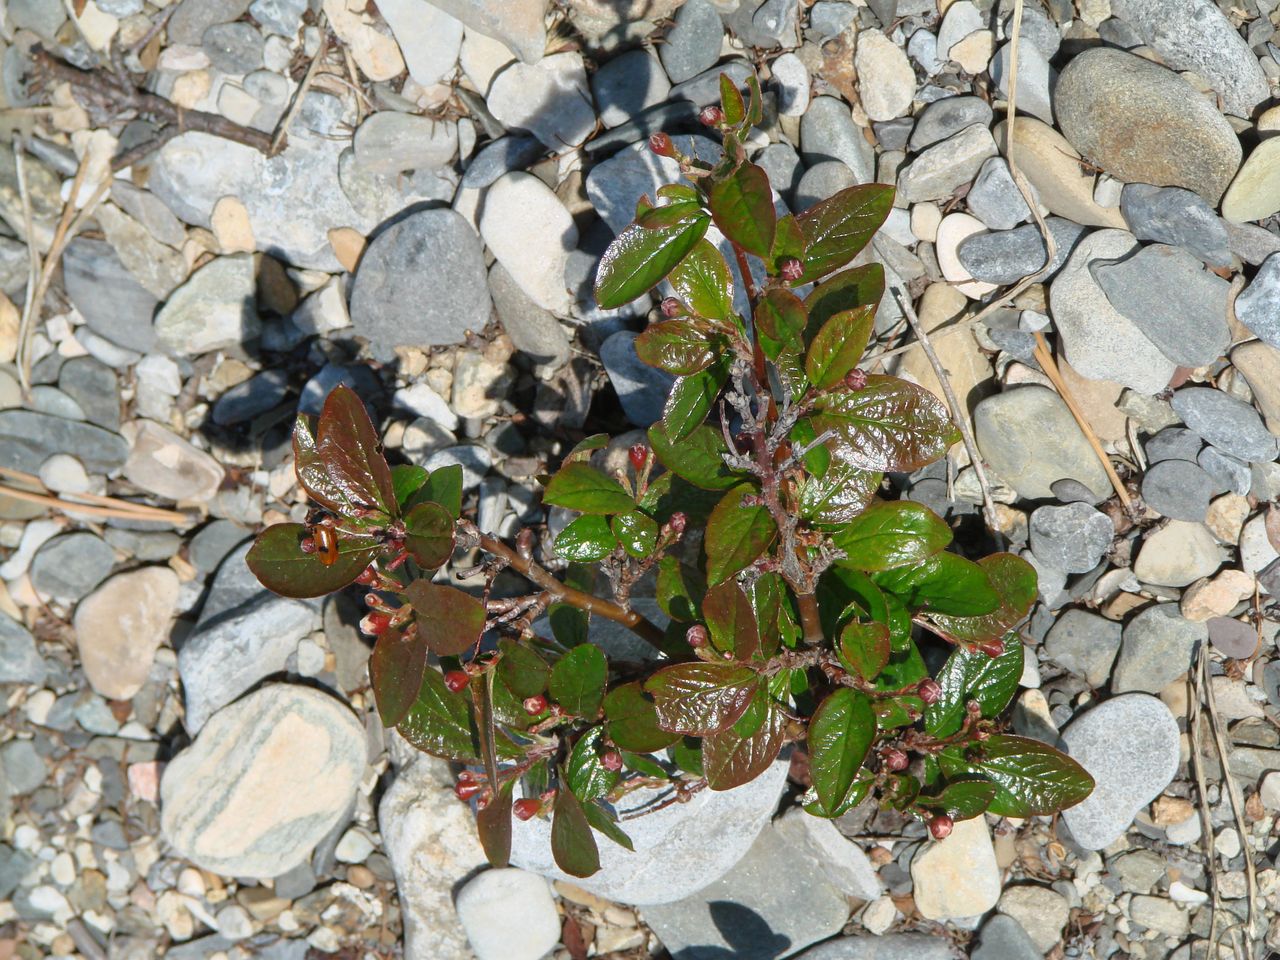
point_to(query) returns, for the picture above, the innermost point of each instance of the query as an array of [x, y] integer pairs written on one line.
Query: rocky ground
[[191, 767]]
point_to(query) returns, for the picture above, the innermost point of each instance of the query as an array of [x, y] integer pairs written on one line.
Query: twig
[[1206, 825], [67, 506], [26, 325], [140, 511], [958, 412], [282, 129]]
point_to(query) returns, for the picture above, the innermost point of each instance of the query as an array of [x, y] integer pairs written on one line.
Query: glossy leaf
[[642, 764], [638, 259], [349, 447], [731, 620], [395, 673], [678, 347], [580, 487], [578, 679], [604, 822], [687, 755], [892, 534], [731, 758], [586, 539], [839, 494], [772, 606], [862, 785], [962, 799], [755, 101], [636, 531], [588, 777], [679, 590], [736, 535], [703, 281], [1015, 581], [429, 534], [572, 844], [633, 720], [1033, 778], [839, 346], [313, 473], [440, 722], [780, 314], [697, 457], [677, 192], [864, 648], [945, 583], [741, 203], [847, 290], [406, 480], [444, 486], [889, 425], [841, 732], [836, 229], [735, 110], [670, 215], [788, 243], [494, 826], [278, 561], [697, 699], [691, 399], [522, 669], [992, 681], [583, 449], [449, 621]]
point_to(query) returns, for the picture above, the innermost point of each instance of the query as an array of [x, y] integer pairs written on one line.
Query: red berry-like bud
[[752, 500], [526, 809], [367, 576], [466, 776], [671, 307], [465, 790], [484, 799], [678, 522], [992, 648], [697, 636], [895, 759], [307, 545], [711, 116], [374, 623], [638, 454], [535, 705], [456, 681], [855, 379], [661, 144], [791, 269], [940, 826], [929, 691], [612, 760]]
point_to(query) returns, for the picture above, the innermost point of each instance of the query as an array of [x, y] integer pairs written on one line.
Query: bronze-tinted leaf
[[395, 672], [1015, 581], [494, 826], [730, 759], [836, 229], [889, 425], [278, 561], [449, 621], [349, 447], [440, 723], [700, 698], [679, 347], [429, 534], [847, 290], [572, 843], [703, 281], [731, 620], [864, 648]]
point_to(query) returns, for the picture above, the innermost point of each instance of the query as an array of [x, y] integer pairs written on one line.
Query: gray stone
[[781, 162], [234, 48], [358, 377], [23, 768], [1031, 440], [213, 310], [549, 98], [193, 17], [1196, 35], [1232, 638], [265, 781], [1258, 305], [1003, 938], [69, 566], [512, 152], [642, 390], [1072, 538], [389, 142], [214, 541], [379, 197], [283, 17], [822, 180], [14, 867], [615, 185], [946, 117], [628, 84], [827, 132], [1159, 646], [840, 859], [1179, 217], [1036, 79], [531, 233], [1188, 318], [830, 18], [1173, 443], [20, 661], [1129, 745], [37, 16], [517, 24], [1227, 472], [704, 89], [421, 282], [1006, 256], [51, 400], [163, 463], [944, 167], [771, 904], [1177, 554], [995, 199], [894, 946], [1160, 914], [1138, 871], [766, 24], [110, 299], [260, 393], [474, 459], [429, 38], [1143, 123], [1178, 490], [1229, 424], [693, 42], [509, 914], [95, 388], [791, 82], [27, 439], [533, 330], [1100, 343], [1084, 643], [1252, 243]]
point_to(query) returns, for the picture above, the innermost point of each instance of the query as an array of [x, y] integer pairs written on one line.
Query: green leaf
[[780, 314], [892, 534], [697, 457], [1015, 581], [440, 722], [691, 399], [788, 242], [736, 535], [602, 820], [1033, 778], [349, 448], [840, 734], [678, 590], [735, 111], [637, 532], [741, 204], [889, 425], [569, 625], [429, 534], [864, 648], [633, 720], [703, 281], [755, 105], [772, 608], [679, 347], [677, 192], [838, 494], [587, 775], [494, 826], [641, 764], [670, 215], [586, 539], [962, 799], [839, 346], [687, 755], [944, 583], [583, 449], [731, 620], [699, 698], [580, 487], [395, 673], [449, 621], [572, 843], [278, 561], [638, 259], [847, 290], [444, 486], [522, 669], [836, 229], [578, 679], [407, 479], [992, 681], [862, 785], [730, 758]]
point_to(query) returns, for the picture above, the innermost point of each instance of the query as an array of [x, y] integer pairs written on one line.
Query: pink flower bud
[[671, 307], [940, 826], [929, 691], [855, 379], [791, 269], [661, 144], [697, 636], [711, 116]]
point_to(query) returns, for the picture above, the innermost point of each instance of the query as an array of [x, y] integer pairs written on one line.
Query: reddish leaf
[[865, 649], [449, 621], [633, 720], [396, 668], [841, 732], [730, 759], [312, 473], [780, 314], [700, 698], [703, 281], [429, 534], [731, 620], [572, 843], [349, 447], [494, 826], [836, 229], [277, 560], [522, 669], [889, 425], [736, 535], [741, 203], [839, 346], [680, 347]]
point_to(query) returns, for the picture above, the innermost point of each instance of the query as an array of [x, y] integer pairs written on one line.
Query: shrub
[[797, 597]]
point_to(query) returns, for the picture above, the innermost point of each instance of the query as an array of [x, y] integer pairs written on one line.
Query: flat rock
[[264, 782], [1177, 554], [1159, 645], [792, 84], [679, 849], [69, 566], [1052, 166], [1258, 305], [95, 387], [512, 152], [213, 310], [509, 914], [1255, 192], [111, 300], [942, 168], [163, 463], [428, 37], [1141, 122], [389, 142], [1173, 443], [1031, 441], [517, 24], [968, 368], [1084, 643], [1177, 217], [823, 179], [1071, 538], [549, 98], [1100, 342], [1260, 364], [531, 233], [827, 132], [628, 84], [20, 660], [1179, 490], [945, 118], [1129, 745], [957, 877], [120, 626], [1003, 938], [693, 42], [615, 185], [839, 858], [886, 82], [28, 439], [1226, 422], [995, 199], [533, 330], [1036, 79], [421, 282], [1006, 256], [894, 946]]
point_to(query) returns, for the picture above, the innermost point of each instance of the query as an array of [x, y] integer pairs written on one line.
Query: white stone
[[954, 229], [550, 99], [354, 846], [163, 463], [792, 78], [531, 233], [120, 626], [63, 473], [886, 82], [957, 877], [429, 38], [509, 914], [879, 915]]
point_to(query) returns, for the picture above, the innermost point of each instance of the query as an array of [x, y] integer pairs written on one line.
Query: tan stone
[[958, 876], [9, 322], [1226, 517], [1097, 401], [1052, 166], [1255, 192], [968, 367], [973, 53], [1216, 597], [1167, 811], [375, 53], [231, 227], [348, 246], [120, 626], [1260, 365], [190, 88]]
